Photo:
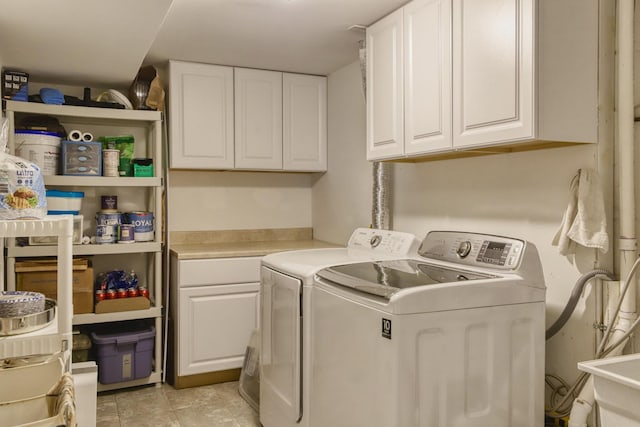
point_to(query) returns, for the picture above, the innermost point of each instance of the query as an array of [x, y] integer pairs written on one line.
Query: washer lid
[[385, 278]]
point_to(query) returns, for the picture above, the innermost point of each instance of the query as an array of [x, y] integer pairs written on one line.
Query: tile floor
[[218, 405]]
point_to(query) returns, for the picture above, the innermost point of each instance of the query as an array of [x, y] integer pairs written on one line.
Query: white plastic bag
[[22, 192]]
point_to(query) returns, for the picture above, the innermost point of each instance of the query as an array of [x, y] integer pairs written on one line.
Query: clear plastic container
[[249, 386]]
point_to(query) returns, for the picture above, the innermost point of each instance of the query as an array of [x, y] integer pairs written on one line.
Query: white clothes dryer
[[285, 298], [451, 338]]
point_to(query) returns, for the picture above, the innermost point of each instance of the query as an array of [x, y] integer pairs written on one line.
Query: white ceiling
[[103, 43], [78, 41], [306, 36]]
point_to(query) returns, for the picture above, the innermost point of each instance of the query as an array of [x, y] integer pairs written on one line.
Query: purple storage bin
[[124, 356]]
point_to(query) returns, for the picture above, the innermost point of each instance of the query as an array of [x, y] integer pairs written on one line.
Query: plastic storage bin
[[64, 202], [124, 356], [39, 147], [616, 382], [81, 158]]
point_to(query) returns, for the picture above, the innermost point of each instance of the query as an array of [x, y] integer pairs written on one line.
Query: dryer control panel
[[482, 250], [383, 241]]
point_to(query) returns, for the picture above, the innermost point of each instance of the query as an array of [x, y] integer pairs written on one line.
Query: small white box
[[53, 240]]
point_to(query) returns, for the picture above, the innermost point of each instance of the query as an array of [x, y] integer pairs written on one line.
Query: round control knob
[[463, 249], [375, 240]]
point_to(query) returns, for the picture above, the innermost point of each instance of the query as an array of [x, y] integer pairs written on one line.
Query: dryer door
[[280, 359]]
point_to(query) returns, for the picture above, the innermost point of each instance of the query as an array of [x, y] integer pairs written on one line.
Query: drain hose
[[573, 300]]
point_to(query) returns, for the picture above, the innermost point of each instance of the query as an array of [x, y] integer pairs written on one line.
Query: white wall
[[238, 200], [522, 195], [342, 196]]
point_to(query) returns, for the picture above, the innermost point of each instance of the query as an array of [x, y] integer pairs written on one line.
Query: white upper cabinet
[[238, 118], [258, 119], [493, 71], [478, 74], [201, 116], [304, 122], [409, 81], [385, 124], [427, 76]]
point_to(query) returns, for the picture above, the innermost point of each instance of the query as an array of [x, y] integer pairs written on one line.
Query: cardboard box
[[42, 276], [15, 85], [122, 304]]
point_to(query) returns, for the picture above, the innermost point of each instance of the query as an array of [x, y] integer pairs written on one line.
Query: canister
[[110, 162], [39, 147], [109, 204], [143, 225], [106, 233], [109, 218], [126, 233]]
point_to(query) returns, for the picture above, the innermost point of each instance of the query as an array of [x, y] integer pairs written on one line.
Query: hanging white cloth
[[584, 222]]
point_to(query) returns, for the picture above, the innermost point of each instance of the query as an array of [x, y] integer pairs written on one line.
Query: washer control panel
[[383, 241], [473, 249]]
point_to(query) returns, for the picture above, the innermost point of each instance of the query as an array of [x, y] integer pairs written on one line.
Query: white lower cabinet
[[216, 326], [215, 310]]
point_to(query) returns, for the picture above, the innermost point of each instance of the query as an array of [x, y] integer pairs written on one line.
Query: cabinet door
[[427, 76], [258, 114], [215, 325], [385, 124], [201, 116], [304, 139], [493, 67]]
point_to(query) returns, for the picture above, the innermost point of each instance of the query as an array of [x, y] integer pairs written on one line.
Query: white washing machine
[[453, 337], [285, 298]]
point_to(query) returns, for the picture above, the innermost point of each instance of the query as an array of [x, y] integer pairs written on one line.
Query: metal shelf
[[106, 116], [92, 318], [86, 250], [154, 378], [100, 181], [147, 125]]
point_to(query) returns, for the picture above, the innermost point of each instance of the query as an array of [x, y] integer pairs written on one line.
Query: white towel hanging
[[584, 222]]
